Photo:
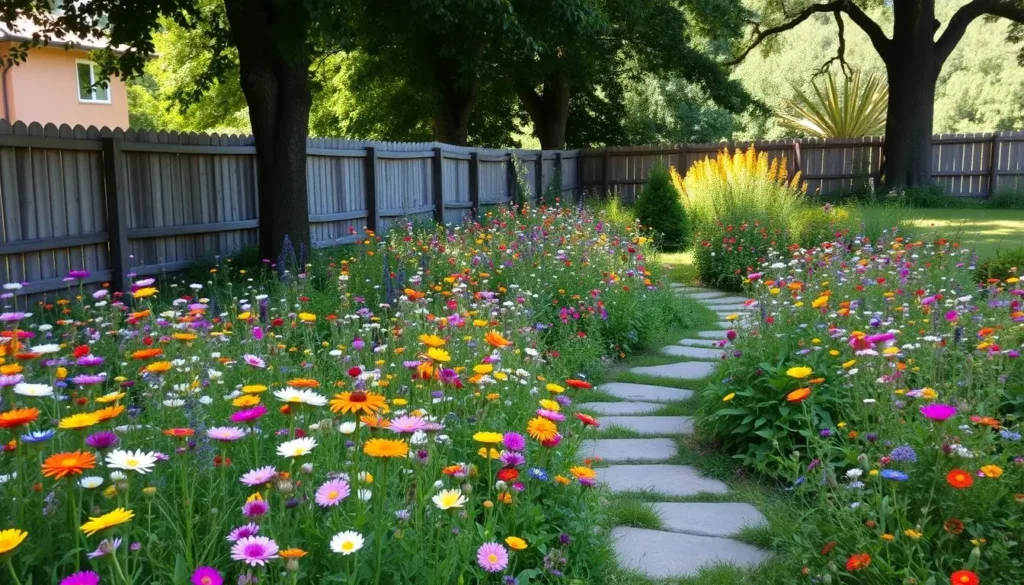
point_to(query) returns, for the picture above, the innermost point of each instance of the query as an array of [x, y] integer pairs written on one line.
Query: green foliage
[[553, 191], [814, 225], [659, 208], [1005, 263], [856, 108], [1006, 200]]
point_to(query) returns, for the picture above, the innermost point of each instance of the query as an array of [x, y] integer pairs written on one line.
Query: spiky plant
[[856, 106]]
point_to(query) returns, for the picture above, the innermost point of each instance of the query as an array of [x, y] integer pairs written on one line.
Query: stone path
[[692, 535]]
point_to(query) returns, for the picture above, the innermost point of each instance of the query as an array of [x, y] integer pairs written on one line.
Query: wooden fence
[[966, 165], [116, 202]]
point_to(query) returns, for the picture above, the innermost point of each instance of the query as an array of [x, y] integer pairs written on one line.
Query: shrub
[[739, 205], [1006, 200], [1005, 263], [815, 225], [658, 208]]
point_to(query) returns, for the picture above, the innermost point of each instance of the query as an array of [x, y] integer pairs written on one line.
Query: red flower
[[81, 351], [828, 547], [587, 420], [964, 577], [508, 474], [858, 561], [581, 384], [355, 371]]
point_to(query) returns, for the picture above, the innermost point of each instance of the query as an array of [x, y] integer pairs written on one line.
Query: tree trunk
[[913, 70], [275, 81], [549, 110], [457, 97]]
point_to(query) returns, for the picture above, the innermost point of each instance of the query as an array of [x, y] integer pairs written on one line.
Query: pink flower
[[551, 415], [249, 414], [259, 476], [938, 412], [492, 557], [254, 361], [225, 434], [206, 576], [254, 550], [332, 493], [951, 316], [257, 333], [82, 578], [255, 508], [407, 424]]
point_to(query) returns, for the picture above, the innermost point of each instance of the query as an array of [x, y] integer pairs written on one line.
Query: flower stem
[[10, 567]]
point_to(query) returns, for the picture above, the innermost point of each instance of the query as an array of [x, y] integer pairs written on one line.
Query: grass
[[681, 268], [983, 230]]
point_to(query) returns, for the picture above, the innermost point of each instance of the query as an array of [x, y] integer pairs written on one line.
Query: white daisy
[[46, 348], [296, 447], [91, 482], [33, 390], [139, 461], [295, 396], [346, 542]]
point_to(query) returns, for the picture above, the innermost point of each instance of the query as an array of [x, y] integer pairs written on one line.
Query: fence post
[[798, 166], [438, 186], [474, 183], [540, 176], [511, 177], [993, 165], [558, 172], [606, 177], [372, 218], [117, 211]]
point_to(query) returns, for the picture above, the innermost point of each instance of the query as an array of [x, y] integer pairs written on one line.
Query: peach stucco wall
[[45, 89]]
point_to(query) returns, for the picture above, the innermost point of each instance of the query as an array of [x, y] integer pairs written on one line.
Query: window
[[88, 90]]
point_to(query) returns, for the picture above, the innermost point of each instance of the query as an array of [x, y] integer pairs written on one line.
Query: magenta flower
[[514, 441], [82, 578], [938, 412], [257, 333], [102, 440], [951, 316], [492, 557], [255, 508], [254, 550], [551, 415], [259, 476], [207, 576], [332, 493], [89, 360], [78, 274], [243, 531], [89, 379], [254, 361], [249, 415]]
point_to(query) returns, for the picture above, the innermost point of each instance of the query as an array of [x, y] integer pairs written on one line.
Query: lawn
[[984, 230]]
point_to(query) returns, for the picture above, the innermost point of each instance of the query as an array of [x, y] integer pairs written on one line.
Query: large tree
[[572, 52], [913, 57], [269, 44]]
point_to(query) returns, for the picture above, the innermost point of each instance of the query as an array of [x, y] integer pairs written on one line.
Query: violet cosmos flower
[[90, 360], [89, 379], [514, 441], [102, 440], [243, 531], [938, 412], [407, 424]]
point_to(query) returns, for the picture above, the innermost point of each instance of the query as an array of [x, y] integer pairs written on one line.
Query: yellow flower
[[550, 405], [515, 543], [386, 448], [307, 317], [79, 421], [245, 401], [913, 534], [555, 388], [438, 355], [992, 471], [929, 393], [581, 472], [108, 520], [253, 388], [144, 292], [819, 302], [10, 539], [158, 367], [873, 473], [799, 372], [849, 364], [483, 368], [887, 537], [729, 397], [431, 340], [487, 437], [833, 352], [493, 453]]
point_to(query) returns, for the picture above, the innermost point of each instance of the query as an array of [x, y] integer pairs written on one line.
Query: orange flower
[[798, 395], [60, 465], [581, 384], [494, 339], [358, 401], [179, 432], [292, 553], [858, 561], [158, 367], [964, 577], [303, 383], [145, 354], [17, 417], [108, 412], [959, 479], [375, 421]]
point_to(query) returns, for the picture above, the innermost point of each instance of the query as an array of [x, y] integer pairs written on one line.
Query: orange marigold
[[60, 465]]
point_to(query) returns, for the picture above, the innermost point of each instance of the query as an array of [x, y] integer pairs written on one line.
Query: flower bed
[[884, 386], [397, 412]]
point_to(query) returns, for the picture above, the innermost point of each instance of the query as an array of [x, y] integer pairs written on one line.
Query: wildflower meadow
[[397, 411]]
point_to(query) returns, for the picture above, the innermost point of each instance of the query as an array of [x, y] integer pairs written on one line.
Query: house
[[58, 83]]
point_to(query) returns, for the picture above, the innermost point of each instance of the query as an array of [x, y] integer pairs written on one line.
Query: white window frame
[[92, 80]]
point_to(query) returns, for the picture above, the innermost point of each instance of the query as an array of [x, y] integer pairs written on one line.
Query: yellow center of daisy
[[348, 545], [131, 462]]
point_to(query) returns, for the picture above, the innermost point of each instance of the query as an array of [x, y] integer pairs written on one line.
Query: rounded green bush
[[659, 208]]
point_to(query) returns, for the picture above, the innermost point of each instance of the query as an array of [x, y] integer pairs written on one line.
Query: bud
[[285, 486], [307, 468], [467, 488], [292, 566]]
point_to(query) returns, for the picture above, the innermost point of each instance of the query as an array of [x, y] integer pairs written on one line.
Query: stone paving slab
[[630, 450], [709, 295], [725, 300], [672, 480], [740, 316], [706, 519], [713, 334], [650, 425], [645, 392], [680, 370], [620, 408], [698, 342], [733, 308], [659, 555], [701, 353]]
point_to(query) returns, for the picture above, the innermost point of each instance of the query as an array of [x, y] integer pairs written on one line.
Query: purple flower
[[894, 475], [512, 458], [102, 440], [207, 576], [255, 508], [407, 424], [90, 360], [78, 274], [332, 493], [938, 412], [514, 441], [244, 531], [254, 550], [89, 379], [904, 453], [106, 547], [492, 557]]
